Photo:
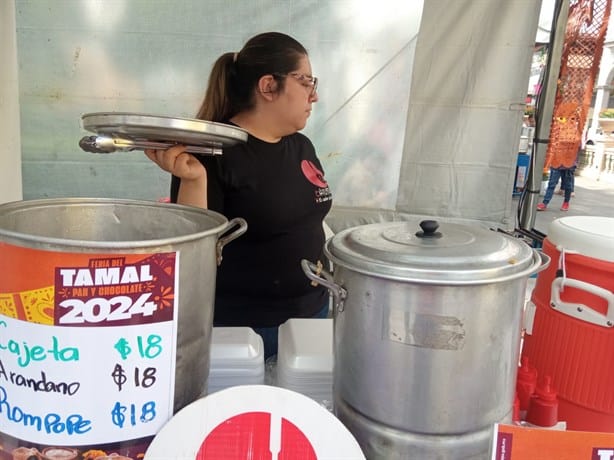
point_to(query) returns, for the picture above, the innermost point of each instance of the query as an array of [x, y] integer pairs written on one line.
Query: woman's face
[[297, 96]]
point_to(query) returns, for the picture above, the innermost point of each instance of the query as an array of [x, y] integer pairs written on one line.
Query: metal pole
[[10, 147], [544, 116]]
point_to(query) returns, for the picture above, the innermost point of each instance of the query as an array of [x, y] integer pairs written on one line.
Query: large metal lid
[[156, 127], [122, 131], [433, 253]]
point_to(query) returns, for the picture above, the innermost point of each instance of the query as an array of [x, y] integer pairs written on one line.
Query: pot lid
[[429, 252], [120, 131]]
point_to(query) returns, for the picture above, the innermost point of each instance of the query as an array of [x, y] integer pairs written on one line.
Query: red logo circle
[[313, 174]]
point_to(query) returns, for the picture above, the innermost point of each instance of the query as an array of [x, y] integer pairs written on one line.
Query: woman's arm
[[193, 175]]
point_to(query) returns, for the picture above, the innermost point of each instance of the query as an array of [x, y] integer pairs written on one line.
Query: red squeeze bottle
[[544, 405], [526, 382], [516, 409]]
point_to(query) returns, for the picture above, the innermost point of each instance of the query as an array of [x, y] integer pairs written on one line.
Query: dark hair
[[235, 75]]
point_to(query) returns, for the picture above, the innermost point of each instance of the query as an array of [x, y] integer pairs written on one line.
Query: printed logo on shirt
[[316, 177], [313, 174]]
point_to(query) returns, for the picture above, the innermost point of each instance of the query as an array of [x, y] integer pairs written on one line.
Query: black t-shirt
[[280, 190]]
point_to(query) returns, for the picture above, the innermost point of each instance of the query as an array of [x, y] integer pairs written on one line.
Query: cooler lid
[[430, 252], [591, 236]]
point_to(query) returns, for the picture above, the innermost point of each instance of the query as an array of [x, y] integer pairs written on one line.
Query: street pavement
[[592, 198]]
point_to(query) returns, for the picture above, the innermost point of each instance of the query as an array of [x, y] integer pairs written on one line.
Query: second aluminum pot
[[427, 327]]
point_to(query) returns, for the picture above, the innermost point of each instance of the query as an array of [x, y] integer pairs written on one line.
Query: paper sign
[[512, 442], [87, 347]]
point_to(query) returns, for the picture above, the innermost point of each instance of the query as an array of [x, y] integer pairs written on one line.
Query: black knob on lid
[[429, 229]]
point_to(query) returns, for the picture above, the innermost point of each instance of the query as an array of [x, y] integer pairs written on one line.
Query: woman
[[274, 181]]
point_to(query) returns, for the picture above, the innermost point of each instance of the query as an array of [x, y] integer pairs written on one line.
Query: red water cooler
[[570, 321]]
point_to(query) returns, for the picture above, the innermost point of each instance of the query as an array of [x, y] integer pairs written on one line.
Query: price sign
[[87, 348]]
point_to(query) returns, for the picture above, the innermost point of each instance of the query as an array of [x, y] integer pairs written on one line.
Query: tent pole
[[544, 115]]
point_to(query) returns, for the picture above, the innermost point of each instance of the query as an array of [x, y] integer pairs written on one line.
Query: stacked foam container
[[237, 358], [305, 357]]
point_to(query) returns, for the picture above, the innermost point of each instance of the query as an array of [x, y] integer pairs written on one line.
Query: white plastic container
[[305, 357], [237, 358]]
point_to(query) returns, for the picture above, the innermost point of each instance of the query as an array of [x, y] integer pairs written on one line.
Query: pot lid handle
[[429, 229]]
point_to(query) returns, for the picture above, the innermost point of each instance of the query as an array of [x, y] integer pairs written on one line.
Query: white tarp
[[468, 90]]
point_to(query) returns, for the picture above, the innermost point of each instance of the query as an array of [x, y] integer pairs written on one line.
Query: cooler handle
[[581, 311]]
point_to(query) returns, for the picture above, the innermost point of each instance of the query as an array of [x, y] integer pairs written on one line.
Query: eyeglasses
[[307, 81]]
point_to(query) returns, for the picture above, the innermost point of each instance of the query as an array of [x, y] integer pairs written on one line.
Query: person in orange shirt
[[565, 175]]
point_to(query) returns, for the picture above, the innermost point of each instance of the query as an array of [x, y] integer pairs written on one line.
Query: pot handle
[[224, 240], [578, 310], [542, 259], [339, 294]]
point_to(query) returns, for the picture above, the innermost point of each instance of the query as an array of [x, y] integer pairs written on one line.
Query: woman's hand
[[193, 175], [178, 162]]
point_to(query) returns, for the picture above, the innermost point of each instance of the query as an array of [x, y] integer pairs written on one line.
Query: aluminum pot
[[65, 258], [427, 328]]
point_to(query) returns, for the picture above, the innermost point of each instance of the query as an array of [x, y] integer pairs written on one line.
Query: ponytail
[[217, 104]]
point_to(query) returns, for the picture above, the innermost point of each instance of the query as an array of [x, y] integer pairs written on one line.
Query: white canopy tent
[[421, 102]]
